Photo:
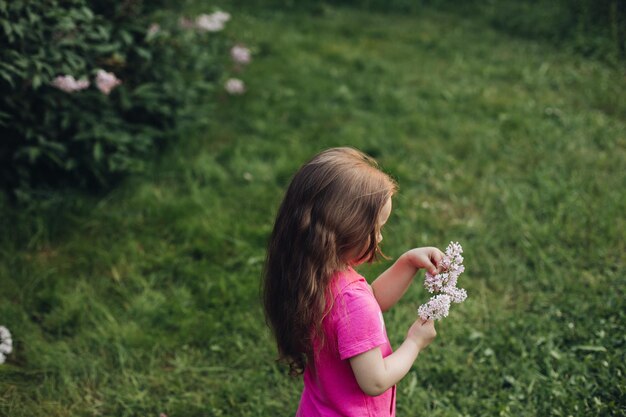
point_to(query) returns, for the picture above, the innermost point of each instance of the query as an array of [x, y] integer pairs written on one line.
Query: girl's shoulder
[[347, 280], [351, 294]]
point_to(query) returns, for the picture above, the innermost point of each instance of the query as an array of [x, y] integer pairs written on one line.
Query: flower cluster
[[6, 343], [153, 30], [69, 84], [240, 54], [235, 86], [213, 22], [105, 82], [445, 284]]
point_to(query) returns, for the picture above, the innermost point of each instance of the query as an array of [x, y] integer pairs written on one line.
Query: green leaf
[[7, 78], [126, 37], [8, 31], [36, 81], [33, 154], [589, 348], [144, 53], [97, 152]]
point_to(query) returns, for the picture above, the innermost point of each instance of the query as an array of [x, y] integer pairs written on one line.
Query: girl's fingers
[[431, 268], [437, 257]]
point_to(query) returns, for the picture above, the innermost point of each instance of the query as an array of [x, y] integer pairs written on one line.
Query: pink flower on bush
[[69, 84], [6, 343], [235, 86], [186, 23], [213, 22], [106, 81], [153, 30], [240, 54], [205, 22], [221, 16]]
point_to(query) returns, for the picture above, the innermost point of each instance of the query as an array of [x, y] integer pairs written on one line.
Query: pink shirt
[[353, 326]]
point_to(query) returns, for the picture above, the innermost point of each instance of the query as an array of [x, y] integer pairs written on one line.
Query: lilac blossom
[[240, 54], [436, 308], [452, 268], [69, 84], [6, 343], [235, 86], [434, 283], [444, 283], [457, 295], [106, 81]]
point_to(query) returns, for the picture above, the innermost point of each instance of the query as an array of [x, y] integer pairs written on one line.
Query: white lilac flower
[[444, 283], [457, 295], [454, 249], [6, 343], [106, 81], [451, 266], [69, 84], [434, 283], [235, 86], [436, 308], [240, 54]]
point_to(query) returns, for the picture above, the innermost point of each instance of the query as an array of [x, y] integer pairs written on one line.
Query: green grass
[[147, 300]]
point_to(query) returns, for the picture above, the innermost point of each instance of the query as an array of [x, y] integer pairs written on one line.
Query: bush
[[86, 130], [595, 28]]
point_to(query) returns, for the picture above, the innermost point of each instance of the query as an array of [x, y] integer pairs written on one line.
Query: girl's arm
[[376, 374], [391, 285]]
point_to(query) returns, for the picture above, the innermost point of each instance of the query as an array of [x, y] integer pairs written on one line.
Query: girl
[[327, 320]]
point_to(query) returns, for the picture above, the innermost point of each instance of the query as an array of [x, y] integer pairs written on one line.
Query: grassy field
[[146, 300]]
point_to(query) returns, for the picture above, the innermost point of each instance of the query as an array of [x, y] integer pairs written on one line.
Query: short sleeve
[[359, 322]]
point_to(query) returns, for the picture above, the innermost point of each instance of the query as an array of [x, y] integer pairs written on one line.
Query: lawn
[[146, 300]]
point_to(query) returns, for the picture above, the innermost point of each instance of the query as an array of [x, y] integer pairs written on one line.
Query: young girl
[[327, 320]]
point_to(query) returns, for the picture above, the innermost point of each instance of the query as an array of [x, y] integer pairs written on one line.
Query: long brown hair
[[328, 215]]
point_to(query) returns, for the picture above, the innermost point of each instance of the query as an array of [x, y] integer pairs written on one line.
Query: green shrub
[[594, 27], [87, 138]]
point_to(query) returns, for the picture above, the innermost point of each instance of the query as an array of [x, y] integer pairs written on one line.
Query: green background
[[145, 300]]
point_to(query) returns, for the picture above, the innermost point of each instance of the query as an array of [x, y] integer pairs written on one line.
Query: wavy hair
[[327, 219]]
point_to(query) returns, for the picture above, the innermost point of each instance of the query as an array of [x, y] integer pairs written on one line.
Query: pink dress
[[353, 326]]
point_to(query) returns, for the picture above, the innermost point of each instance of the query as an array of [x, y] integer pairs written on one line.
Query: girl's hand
[[391, 285], [376, 374], [428, 258], [422, 332]]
